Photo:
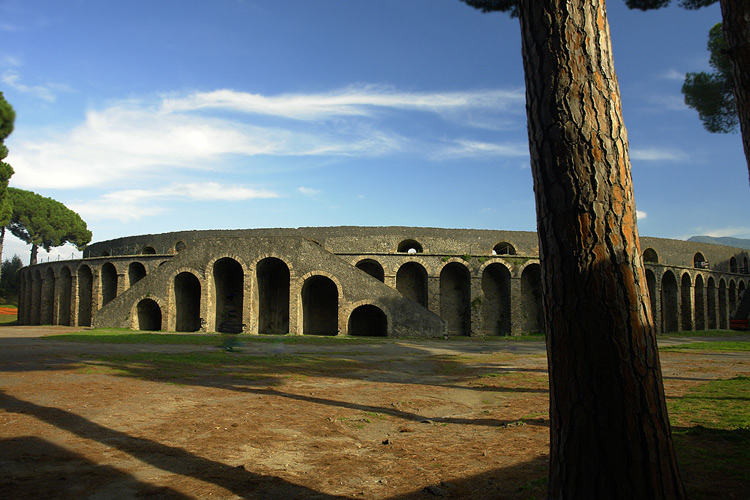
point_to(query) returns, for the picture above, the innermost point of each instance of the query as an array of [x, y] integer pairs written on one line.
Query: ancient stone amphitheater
[[379, 281]]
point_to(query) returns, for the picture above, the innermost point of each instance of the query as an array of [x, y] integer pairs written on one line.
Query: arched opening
[[48, 298], [650, 255], [36, 299], [496, 300], [745, 267], [455, 298], [228, 287], [187, 299], [273, 296], [700, 303], [686, 309], [368, 321], [531, 299], [373, 268], [733, 265], [149, 315], [669, 302], [711, 303], [723, 313], [85, 295], [740, 289], [503, 248], [66, 283], [109, 283], [179, 246], [411, 281], [136, 272], [320, 306], [699, 261], [148, 250], [651, 283], [732, 297], [410, 246]]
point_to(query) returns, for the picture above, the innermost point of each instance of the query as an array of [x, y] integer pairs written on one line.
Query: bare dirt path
[[394, 420]]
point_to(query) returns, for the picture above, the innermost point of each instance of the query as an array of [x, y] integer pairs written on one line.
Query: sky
[[154, 116]]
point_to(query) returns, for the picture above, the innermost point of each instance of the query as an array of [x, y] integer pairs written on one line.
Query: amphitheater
[[374, 281]]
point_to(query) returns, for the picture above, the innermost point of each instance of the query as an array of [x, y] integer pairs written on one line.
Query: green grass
[[703, 333], [711, 346]]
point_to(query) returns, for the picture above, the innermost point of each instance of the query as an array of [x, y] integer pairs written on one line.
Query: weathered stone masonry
[[380, 281]]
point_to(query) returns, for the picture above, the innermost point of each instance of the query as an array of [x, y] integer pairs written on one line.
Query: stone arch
[[272, 279], [503, 248], [180, 246], [531, 299], [66, 284], [455, 298], [320, 304], [47, 307], [85, 295], [109, 283], [187, 301], [686, 309], [373, 268], [410, 246], [699, 261], [733, 264], [36, 298], [411, 281], [148, 250], [229, 281], [136, 272], [732, 297], [723, 313], [496, 309], [651, 284], [368, 320], [650, 255], [740, 289], [148, 314], [711, 302], [669, 302], [699, 302]]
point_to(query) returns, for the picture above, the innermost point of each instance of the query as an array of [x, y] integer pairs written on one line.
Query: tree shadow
[[168, 458]]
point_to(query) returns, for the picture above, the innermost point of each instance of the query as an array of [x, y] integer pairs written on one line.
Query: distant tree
[[609, 432], [7, 119], [736, 26], [712, 94], [44, 222], [9, 277]]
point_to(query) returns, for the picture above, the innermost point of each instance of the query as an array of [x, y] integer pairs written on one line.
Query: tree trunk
[[609, 431], [736, 23], [34, 250]]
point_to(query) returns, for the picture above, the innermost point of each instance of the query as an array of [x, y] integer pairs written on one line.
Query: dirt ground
[[396, 420]]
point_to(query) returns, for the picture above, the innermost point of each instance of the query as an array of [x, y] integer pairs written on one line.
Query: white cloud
[[136, 138], [133, 204], [640, 214], [657, 154], [478, 149], [732, 231], [672, 74], [45, 92], [308, 191]]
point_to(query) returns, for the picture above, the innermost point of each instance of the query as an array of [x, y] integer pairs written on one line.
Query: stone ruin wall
[[392, 281]]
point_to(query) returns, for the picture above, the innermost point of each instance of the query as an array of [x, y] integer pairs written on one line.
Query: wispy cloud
[[136, 138], [478, 149], [640, 214], [133, 204], [731, 231], [47, 92], [657, 154], [308, 191], [672, 74]]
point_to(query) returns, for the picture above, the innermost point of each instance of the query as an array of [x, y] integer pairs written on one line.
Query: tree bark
[[34, 250], [736, 23], [609, 432]]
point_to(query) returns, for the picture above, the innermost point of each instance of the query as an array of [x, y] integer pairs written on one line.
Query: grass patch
[[711, 346], [711, 430], [703, 333]]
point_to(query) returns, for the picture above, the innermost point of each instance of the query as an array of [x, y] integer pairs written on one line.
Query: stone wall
[[391, 281]]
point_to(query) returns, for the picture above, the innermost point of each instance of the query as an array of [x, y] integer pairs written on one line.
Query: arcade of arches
[[498, 293]]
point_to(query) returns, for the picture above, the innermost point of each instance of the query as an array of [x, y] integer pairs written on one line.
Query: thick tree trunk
[[610, 435], [736, 23]]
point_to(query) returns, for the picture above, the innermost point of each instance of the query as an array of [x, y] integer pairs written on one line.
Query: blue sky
[[155, 116]]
